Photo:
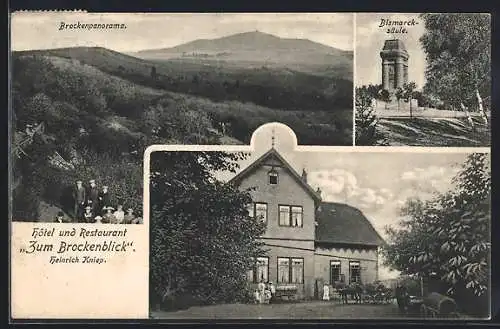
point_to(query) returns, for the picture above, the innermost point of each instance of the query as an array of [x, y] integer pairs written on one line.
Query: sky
[[377, 183], [158, 30], [370, 41]]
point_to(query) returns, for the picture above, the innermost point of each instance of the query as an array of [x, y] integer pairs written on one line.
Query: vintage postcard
[[423, 79], [280, 231], [89, 93], [201, 166]]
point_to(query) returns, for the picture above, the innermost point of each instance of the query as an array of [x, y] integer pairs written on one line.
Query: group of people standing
[[265, 293], [92, 205]]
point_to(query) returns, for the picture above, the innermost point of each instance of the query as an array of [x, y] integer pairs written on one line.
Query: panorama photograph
[[87, 101]]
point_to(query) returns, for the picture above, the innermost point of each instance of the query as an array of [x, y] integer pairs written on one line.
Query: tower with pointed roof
[[394, 64]]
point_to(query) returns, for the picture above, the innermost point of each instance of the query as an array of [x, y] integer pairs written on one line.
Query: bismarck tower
[[394, 64]]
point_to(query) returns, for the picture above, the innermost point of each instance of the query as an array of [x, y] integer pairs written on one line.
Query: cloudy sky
[[377, 183], [370, 41], [157, 30]]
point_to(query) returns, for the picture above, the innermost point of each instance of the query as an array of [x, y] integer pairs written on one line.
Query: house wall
[[295, 249], [298, 242], [284, 241], [366, 257], [287, 192]]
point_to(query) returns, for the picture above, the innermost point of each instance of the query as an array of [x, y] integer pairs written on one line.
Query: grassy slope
[[177, 75], [248, 72], [309, 125], [435, 132]]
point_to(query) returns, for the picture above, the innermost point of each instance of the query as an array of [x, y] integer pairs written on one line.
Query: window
[[297, 216], [290, 270], [251, 209], [258, 209], [273, 177], [290, 216], [335, 272], [354, 272], [297, 270], [283, 270], [284, 216], [260, 272], [261, 211]]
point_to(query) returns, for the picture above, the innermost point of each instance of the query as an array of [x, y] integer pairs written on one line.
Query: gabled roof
[[339, 223], [272, 152]]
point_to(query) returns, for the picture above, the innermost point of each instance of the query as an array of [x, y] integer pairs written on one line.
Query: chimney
[[304, 175]]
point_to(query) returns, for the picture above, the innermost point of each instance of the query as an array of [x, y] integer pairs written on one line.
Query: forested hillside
[[92, 115]]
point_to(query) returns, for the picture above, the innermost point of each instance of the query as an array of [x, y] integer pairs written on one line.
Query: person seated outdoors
[[98, 220], [88, 216], [129, 217], [108, 216], [137, 220], [60, 218], [119, 215]]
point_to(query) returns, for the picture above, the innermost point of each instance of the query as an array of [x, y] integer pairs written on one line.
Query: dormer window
[[273, 177]]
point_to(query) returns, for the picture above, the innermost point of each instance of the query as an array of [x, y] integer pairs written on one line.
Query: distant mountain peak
[[255, 40], [252, 33]]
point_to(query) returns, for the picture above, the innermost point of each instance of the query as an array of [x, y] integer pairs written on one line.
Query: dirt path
[[297, 311]]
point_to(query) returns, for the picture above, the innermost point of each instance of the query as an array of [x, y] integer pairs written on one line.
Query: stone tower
[[394, 64]]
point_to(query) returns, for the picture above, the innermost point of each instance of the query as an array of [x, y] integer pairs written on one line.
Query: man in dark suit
[[60, 218], [402, 297], [79, 196], [104, 199], [93, 196]]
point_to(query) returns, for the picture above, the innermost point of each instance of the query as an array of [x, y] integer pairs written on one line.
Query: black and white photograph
[[282, 166], [86, 104], [281, 233], [423, 79]]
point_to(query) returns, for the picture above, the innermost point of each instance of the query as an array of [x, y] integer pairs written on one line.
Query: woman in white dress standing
[[326, 292]]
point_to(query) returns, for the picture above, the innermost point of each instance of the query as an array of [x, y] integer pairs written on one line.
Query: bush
[[195, 221]]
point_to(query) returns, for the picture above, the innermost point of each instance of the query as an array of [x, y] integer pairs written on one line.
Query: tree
[[448, 236], [458, 49], [426, 100], [374, 92], [154, 76], [30, 165], [408, 91], [366, 120], [202, 237], [385, 96]]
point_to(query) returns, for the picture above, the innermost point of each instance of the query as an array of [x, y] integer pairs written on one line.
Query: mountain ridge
[[249, 41]]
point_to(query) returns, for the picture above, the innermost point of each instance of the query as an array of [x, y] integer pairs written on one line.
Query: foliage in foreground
[[448, 237], [458, 54], [202, 237], [367, 133]]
